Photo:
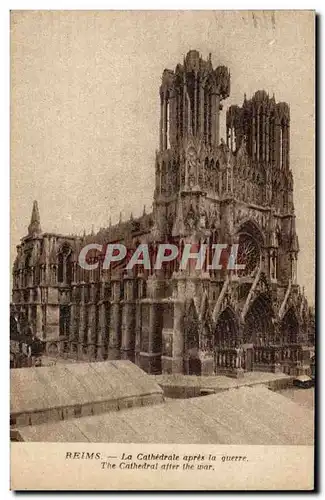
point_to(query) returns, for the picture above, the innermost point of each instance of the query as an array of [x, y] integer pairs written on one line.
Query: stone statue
[[192, 162], [190, 219], [239, 356]]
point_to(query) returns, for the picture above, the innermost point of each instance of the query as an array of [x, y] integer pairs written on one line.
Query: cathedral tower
[[190, 160], [190, 99]]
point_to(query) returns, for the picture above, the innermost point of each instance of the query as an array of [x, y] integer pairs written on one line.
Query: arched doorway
[[226, 329], [258, 327], [225, 341], [289, 327]]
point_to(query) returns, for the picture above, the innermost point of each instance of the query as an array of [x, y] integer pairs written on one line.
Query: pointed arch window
[[225, 334], [64, 270], [167, 122], [60, 268], [261, 134], [27, 270], [281, 147], [68, 268]]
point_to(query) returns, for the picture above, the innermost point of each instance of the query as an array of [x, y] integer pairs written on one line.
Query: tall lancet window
[[205, 115], [177, 116], [209, 119], [27, 270], [284, 145], [281, 146], [167, 122], [261, 135], [69, 268], [181, 114], [64, 271], [60, 268]]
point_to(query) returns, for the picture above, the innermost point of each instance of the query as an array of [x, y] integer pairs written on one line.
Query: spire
[[144, 210], [34, 227]]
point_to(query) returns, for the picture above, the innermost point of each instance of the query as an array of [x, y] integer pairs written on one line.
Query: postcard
[[162, 315]]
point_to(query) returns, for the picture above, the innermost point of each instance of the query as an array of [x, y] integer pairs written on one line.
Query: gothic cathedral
[[207, 190]]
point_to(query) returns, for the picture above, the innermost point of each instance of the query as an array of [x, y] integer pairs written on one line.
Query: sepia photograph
[[162, 250]]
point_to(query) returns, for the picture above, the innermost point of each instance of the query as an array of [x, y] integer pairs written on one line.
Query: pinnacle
[[35, 221]]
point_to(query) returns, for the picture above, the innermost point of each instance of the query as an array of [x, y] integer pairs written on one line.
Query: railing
[[227, 358], [286, 358], [262, 358], [288, 353], [264, 355]]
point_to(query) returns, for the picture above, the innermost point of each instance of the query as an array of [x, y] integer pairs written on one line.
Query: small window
[[65, 270]]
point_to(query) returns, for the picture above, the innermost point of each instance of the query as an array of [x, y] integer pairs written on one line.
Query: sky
[[85, 107]]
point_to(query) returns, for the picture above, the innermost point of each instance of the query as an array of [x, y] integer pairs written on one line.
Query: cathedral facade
[[207, 190]]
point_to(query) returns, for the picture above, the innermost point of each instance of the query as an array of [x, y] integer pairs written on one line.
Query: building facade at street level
[[207, 190]]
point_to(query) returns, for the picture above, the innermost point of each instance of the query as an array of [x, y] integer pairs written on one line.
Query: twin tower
[[190, 100], [252, 165]]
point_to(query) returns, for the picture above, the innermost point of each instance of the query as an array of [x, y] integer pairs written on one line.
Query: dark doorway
[[194, 366], [290, 327], [258, 328], [225, 335]]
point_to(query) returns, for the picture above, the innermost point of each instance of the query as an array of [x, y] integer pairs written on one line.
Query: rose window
[[248, 254]]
